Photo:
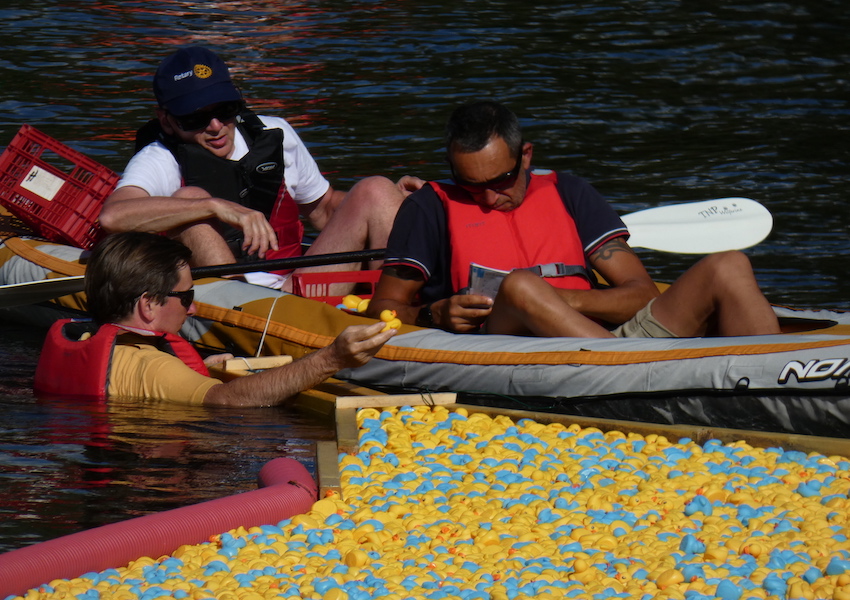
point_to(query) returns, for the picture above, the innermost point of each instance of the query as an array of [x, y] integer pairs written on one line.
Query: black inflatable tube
[[288, 490]]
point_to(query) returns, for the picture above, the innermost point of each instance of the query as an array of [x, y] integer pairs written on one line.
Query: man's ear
[[527, 150], [145, 307], [164, 122]]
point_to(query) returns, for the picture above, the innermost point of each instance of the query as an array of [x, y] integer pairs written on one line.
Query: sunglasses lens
[[497, 184], [187, 298], [191, 122], [202, 118]]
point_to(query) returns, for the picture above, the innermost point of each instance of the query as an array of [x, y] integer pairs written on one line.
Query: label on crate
[[44, 184]]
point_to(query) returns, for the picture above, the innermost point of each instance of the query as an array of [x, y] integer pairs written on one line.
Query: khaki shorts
[[643, 325]]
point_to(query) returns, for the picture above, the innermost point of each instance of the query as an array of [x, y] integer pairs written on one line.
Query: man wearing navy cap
[[232, 185]]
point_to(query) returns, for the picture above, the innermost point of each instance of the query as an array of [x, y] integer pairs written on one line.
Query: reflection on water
[[67, 466], [654, 102]]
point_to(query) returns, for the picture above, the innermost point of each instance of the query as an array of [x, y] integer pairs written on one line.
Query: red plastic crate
[[315, 285], [54, 189]]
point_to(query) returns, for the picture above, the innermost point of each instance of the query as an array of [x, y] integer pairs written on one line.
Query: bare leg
[[527, 305], [206, 243], [719, 295], [363, 220]]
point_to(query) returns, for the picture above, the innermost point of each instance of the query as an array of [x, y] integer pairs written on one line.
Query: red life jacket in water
[[71, 367], [538, 233]]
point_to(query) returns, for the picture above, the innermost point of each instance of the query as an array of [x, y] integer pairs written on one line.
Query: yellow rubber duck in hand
[[389, 317]]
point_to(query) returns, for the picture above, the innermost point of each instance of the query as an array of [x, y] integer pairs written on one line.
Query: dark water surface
[[654, 102]]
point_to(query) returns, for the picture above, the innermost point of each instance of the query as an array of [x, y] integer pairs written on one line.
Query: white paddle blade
[[700, 227]]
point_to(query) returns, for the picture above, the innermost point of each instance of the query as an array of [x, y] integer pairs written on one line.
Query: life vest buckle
[[558, 269]]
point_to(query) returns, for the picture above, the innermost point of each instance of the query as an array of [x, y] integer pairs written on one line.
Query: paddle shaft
[[292, 262], [33, 292]]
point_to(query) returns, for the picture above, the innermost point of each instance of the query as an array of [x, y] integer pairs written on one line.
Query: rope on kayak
[[268, 322]]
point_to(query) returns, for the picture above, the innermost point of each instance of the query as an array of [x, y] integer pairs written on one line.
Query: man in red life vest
[[233, 185], [139, 292], [550, 230]]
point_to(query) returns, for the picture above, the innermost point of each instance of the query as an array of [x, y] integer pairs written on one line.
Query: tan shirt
[[143, 371]]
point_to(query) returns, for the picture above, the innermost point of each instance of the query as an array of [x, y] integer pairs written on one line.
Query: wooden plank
[[396, 400], [239, 367], [347, 435], [256, 363], [346, 388], [321, 400], [327, 469], [315, 402]]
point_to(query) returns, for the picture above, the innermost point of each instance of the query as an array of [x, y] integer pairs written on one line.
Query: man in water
[[551, 231], [232, 185], [139, 291]]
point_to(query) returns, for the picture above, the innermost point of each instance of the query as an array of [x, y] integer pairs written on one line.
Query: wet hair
[[471, 127], [124, 266]]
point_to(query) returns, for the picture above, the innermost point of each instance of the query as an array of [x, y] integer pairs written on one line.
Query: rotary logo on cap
[[202, 71], [192, 78]]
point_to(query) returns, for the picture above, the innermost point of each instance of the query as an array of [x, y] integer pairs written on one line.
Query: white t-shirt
[[155, 170]]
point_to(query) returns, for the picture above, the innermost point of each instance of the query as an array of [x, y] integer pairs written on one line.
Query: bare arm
[[631, 286], [397, 290], [131, 208], [352, 348]]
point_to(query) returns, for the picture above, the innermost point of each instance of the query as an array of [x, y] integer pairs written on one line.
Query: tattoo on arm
[[608, 250]]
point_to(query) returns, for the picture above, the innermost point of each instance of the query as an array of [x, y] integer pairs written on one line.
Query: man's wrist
[[425, 318]]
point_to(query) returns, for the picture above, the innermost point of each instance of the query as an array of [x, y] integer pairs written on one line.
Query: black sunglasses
[[223, 111], [497, 184], [186, 297]]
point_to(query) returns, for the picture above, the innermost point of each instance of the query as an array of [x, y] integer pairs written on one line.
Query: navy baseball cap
[[192, 78]]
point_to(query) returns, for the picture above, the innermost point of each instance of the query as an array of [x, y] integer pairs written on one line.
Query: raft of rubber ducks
[[442, 504]]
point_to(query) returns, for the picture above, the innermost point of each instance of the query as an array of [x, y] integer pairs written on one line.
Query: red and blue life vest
[[539, 232], [71, 367]]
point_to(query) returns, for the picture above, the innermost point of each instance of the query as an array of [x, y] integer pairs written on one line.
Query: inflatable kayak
[[793, 382]]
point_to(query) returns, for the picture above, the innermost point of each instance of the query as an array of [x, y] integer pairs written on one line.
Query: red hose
[[289, 490]]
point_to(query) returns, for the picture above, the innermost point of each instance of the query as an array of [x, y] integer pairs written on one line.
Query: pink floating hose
[[287, 489]]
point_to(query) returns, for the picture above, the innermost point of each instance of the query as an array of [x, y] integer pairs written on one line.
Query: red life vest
[[286, 222], [539, 232], [71, 367]]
